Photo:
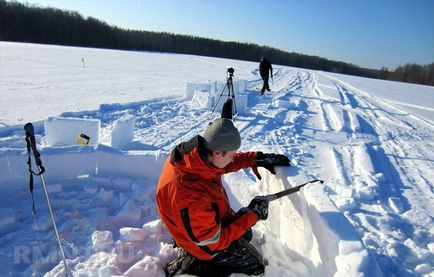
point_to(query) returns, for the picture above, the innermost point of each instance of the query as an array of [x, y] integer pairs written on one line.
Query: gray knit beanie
[[222, 135]]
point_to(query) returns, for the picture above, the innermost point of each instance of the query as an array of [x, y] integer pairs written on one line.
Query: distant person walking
[[265, 69]]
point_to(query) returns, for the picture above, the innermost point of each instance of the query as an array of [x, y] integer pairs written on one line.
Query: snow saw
[[275, 196]]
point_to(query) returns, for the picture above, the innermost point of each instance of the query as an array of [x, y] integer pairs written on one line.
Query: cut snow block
[[132, 234], [239, 86], [102, 240], [62, 131], [192, 87], [285, 104], [202, 99], [123, 131]]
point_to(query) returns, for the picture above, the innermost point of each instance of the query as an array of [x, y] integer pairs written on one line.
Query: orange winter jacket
[[193, 203]]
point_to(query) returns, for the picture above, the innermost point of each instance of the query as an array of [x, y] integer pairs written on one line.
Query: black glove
[[270, 160], [259, 205]]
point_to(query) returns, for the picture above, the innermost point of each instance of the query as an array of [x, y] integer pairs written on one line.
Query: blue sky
[[369, 33]]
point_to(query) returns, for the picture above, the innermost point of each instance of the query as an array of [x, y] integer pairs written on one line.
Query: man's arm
[[203, 225], [240, 161]]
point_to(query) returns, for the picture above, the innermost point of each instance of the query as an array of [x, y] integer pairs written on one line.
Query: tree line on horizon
[[30, 23]]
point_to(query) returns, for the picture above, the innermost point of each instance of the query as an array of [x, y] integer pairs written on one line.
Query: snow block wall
[[73, 161], [207, 95], [192, 87], [61, 131], [322, 241]]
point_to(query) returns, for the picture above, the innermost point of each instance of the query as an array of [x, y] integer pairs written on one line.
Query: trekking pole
[[275, 196], [31, 146]]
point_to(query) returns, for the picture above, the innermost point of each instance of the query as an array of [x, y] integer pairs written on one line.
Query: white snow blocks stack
[[123, 131], [206, 95], [192, 87], [64, 131]]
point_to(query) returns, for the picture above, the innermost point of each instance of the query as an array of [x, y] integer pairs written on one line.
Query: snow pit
[[60, 131], [7, 216], [106, 195], [123, 131], [95, 192]]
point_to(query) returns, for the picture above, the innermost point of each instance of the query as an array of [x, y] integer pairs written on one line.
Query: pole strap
[[31, 172]]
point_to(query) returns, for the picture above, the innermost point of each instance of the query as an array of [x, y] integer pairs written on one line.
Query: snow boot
[[240, 257], [180, 264]]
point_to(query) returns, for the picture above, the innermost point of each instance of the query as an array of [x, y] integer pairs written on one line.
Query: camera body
[[231, 71]]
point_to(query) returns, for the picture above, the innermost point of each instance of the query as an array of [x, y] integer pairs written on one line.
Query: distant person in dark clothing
[[265, 69]]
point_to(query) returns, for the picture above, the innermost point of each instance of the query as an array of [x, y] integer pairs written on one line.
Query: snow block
[[61, 131], [153, 227], [239, 86], [102, 240], [132, 234], [202, 99], [285, 104], [123, 131], [192, 87]]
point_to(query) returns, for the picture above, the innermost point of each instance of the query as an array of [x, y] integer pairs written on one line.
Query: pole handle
[[31, 143]]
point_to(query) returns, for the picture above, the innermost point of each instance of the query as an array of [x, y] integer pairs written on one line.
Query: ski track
[[365, 140], [383, 189], [371, 140]]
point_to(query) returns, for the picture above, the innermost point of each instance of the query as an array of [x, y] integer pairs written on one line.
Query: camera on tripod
[[231, 71], [229, 107]]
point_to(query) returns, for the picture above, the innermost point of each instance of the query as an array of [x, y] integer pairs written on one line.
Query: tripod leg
[[231, 90], [218, 100]]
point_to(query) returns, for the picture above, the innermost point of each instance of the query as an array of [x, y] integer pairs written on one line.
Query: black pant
[[265, 86], [227, 109], [239, 257]]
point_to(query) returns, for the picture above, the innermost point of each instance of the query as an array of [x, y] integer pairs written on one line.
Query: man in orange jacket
[[194, 206]]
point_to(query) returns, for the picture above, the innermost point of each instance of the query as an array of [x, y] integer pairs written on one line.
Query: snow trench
[[305, 234]]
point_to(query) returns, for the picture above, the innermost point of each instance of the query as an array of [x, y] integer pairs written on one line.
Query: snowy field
[[371, 141]]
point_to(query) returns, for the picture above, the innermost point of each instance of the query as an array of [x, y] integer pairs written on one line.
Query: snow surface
[[370, 140]]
